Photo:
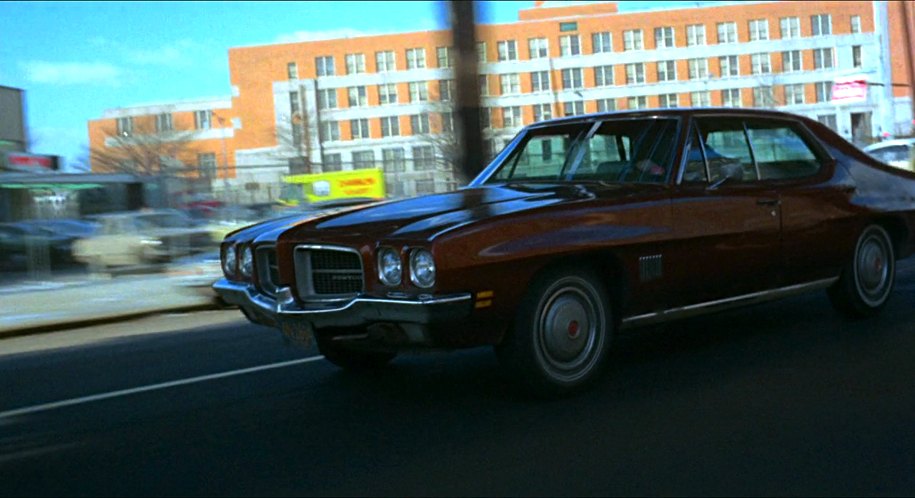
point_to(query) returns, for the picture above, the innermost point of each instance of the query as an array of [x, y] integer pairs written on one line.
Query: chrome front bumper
[[359, 311]]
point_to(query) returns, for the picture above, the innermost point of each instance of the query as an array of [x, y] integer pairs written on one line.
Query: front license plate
[[301, 333]]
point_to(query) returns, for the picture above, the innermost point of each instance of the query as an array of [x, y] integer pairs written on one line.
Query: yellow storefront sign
[[317, 187]]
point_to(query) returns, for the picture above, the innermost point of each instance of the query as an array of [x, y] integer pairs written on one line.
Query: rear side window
[[780, 151], [727, 150]]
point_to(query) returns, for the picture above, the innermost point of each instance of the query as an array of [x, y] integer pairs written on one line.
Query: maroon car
[[579, 227]]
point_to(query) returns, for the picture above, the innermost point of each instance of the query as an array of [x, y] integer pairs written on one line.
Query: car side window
[[543, 156], [891, 154], [727, 150], [781, 153], [694, 171]]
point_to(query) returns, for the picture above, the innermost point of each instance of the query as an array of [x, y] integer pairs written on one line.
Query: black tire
[[352, 359], [867, 280], [561, 334]]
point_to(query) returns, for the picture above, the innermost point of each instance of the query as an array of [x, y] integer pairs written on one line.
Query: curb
[[26, 330]]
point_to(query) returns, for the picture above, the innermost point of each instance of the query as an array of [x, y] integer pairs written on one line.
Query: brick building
[[384, 101]]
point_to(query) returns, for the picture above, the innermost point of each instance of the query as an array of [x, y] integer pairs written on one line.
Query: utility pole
[[467, 89]]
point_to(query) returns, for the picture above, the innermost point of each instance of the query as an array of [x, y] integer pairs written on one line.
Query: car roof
[[671, 112], [890, 143]]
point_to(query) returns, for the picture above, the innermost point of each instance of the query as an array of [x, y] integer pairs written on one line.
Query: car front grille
[[268, 273], [328, 273]]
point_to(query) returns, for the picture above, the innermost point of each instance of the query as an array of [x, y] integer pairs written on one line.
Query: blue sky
[[76, 59]]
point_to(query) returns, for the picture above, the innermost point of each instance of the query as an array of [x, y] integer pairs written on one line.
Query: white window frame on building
[[324, 66], [390, 126], [698, 68], [393, 160], [507, 50], [357, 96], [419, 124], [444, 56], [792, 61], [665, 37], [484, 84], [729, 65], [602, 42], [511, 117], [481, 52], [542, 112], [667, 71], [794, 94], [606, 105], [510, 84], [821, 25], [701, 98], [855, 24], [603, 76], [292, 71], [294, 105], [569, 45], [332, 162], [668, 100], [385, 61], [423, 158], [485, 118], [760, 63], [856, 56], [206, 164], [125, 126], [727, 32], [445, 90], [387, 94], [330, 131], [538, 48], [635, 73], [573, 108], [359, 128], [540, 81], [730, 97], [790, 27], [823, 58], [572, 78], [164, 122], [637, 102], [419, 91], [327, 98], [759, 29], [447, 119], [695, 35], [355, 63], [416, 58], [363, 159], [203, 120], [829, 120], [633, 39], [823, 91]]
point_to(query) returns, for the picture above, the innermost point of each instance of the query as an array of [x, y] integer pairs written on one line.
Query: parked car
[[899, 153], [582, 226], [21, 242], [141, 238]]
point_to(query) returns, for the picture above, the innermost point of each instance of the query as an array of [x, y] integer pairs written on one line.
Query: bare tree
[[144, 151]]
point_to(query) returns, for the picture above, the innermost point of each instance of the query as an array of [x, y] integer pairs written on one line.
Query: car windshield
[[617, 151]]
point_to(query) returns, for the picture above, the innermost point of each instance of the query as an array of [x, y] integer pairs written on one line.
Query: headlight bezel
[[381, 262], [230, 260], [416, 271], [246, 261]]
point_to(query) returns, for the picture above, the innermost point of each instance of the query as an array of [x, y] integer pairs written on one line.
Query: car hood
[[432, 215]]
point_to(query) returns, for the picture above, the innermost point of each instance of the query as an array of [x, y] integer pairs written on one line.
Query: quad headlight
[[229, 261], [246, 265], [422, 268], [390, 270]]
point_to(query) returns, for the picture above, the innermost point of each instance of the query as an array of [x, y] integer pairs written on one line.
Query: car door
[[816, 222], [726, 221]]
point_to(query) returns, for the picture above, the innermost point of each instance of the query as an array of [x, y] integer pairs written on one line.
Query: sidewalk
[[28, 308]]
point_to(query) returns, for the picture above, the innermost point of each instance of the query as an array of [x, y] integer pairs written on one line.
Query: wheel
[[561, 334], [352, 359], [867, 280]]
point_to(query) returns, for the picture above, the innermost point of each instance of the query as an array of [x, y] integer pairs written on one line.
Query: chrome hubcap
[[569, 332], [872, 269]]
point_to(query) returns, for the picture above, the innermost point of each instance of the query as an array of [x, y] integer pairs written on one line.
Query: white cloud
[[72, 73], [330, 34], [178, 53]]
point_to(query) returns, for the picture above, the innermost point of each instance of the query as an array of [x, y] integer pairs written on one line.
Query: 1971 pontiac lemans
[[581, 226]]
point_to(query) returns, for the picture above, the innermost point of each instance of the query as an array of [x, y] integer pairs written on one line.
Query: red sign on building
[[21, 161]]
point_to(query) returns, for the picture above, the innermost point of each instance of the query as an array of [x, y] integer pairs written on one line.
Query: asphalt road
[[785, 398]]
